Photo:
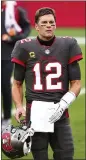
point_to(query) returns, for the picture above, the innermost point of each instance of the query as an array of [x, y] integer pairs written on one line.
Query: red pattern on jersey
[[15, 60], [75, 58]]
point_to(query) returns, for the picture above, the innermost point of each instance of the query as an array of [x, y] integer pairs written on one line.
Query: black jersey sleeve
[[74, 72], [19, 72], [75, 53], [19, 54]]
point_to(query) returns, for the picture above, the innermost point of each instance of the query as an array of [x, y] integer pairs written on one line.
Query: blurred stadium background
[[70, 22]]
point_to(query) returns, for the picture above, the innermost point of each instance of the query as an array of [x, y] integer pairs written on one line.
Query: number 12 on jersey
[[49, 77]]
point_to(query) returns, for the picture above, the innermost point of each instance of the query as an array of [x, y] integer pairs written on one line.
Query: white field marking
[[83, 91], [11, 80], [80, 40]]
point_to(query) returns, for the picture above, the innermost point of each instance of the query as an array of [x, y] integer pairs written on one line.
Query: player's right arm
[[17, 93], [17, 98], [19, 59]]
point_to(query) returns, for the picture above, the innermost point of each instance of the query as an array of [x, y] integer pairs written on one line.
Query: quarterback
[[49, 65]]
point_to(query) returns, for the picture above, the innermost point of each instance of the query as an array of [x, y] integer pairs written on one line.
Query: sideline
[[80, 40]]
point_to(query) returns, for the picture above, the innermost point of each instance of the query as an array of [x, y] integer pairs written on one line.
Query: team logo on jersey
[[32, 54], [47, 51]]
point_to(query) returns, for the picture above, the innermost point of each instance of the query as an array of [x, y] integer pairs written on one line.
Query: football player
[[49, 65]]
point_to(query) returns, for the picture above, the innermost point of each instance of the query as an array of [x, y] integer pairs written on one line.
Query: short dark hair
[[44, 11]]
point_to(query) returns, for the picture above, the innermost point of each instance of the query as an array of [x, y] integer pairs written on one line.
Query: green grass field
[[77, 109], [74, 32]]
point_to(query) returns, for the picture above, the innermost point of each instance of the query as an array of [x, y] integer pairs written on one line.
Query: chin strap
[[29, 132], [27, 146]]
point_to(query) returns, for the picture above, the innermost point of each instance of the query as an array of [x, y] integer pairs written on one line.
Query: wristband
[[67, 99]]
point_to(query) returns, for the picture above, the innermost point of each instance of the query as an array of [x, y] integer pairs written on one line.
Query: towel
[[40, 113], [10, 17]]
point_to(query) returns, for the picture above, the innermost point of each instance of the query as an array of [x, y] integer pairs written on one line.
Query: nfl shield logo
[[47, 51]]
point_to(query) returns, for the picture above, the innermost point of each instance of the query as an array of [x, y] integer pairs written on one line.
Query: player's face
[[46, 27]]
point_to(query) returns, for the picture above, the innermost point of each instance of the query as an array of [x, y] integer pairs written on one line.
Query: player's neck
[[46, 42]]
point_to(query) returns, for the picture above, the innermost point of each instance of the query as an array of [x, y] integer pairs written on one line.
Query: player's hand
[[20, 111], [58, 112], [60, 107]]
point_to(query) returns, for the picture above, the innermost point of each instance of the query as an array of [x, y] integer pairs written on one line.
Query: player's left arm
[[74, 74], [75, 82], [75, 87], [74, 90]]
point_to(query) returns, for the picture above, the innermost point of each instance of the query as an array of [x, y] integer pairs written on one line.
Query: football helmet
[[16, 141]]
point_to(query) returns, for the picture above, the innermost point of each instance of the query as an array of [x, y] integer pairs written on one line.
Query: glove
[[59, 110], [61, 106]]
